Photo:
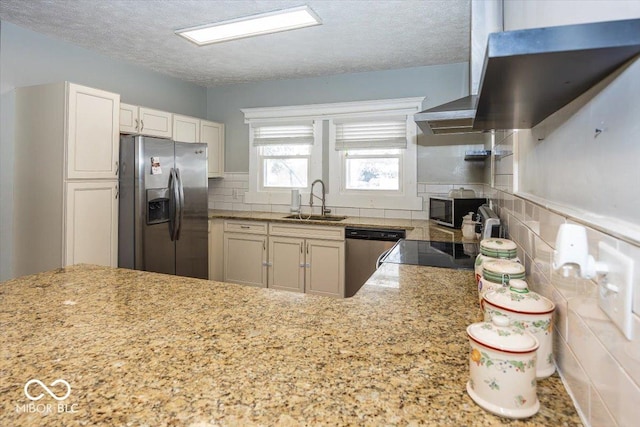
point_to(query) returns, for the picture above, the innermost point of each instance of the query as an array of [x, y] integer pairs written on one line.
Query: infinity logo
[[52, 394]]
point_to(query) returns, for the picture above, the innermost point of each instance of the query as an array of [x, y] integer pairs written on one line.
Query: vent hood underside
[[530, 74]]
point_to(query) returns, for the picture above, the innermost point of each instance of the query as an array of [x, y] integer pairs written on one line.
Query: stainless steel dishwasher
[[364, 248]]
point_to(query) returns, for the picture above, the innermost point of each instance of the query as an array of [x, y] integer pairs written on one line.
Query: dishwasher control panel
[[389, 235]]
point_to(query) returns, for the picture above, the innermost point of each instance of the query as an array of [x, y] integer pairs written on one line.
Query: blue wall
[[440, 83], [28, 58]]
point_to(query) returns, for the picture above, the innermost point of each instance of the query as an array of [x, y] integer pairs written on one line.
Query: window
[[372, 169], [371, 154], [364, 151], [284, 155], [285, 166]]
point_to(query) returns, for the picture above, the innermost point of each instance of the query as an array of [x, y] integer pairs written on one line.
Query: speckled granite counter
[[417, 229], [141, 348]]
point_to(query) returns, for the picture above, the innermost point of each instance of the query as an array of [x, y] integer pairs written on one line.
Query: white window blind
[[377, 134], [301, 134]]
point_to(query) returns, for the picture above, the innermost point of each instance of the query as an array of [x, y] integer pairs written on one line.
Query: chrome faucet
[[325, 211]]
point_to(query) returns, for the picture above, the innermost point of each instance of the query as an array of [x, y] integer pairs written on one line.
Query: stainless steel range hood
[[530, 74], [450, 118]]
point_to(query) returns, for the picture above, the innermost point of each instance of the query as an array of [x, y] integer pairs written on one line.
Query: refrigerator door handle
[[180, 214], [175, 200]]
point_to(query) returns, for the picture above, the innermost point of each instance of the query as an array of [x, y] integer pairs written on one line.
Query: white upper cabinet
[[92, 133], [129, 121], [155, 123], [213, 134], [186, 129], [145, 121]]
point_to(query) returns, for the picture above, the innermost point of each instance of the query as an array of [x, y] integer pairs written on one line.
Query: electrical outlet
[[616, 287]]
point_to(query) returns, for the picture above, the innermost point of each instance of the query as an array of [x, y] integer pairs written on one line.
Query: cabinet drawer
[[307, 231], [253, 227]]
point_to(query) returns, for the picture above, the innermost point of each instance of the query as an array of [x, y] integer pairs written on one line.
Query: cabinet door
[[245, 259], [186, 129], [129, 120], [93, 130], [156, 123], [216, 250], [91, 223], [325, 268], [286, 263], [212, 134]]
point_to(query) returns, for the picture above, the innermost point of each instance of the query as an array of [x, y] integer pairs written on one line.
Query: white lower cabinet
[[216, 250], [245, 253], [324, 269], [311, 262], [91, 225], [291, 257], [286, 263]]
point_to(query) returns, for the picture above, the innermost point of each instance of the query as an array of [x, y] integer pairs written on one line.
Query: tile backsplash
[[228, 194], [600, 367]]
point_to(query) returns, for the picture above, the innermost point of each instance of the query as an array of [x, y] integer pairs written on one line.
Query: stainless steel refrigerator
[[163, 206]]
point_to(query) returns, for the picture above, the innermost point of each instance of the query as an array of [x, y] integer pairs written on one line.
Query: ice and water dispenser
[[158, 205]]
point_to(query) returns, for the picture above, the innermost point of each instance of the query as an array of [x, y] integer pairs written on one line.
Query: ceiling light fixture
[[249, 26]]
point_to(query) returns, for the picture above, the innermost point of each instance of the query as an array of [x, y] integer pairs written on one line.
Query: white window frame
[[261, 171], [364, 192], [260, 194], [407, 199], [403, 198]]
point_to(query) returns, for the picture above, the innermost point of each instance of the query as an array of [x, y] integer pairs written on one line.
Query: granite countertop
[[140, 348], [417, 229]]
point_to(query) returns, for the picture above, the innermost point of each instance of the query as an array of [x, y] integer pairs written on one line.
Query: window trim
[[319, 162], [404, 198], [257, 193], [261, 171], [344, 156]]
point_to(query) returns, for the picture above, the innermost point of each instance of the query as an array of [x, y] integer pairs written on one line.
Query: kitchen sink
[[316, 217]]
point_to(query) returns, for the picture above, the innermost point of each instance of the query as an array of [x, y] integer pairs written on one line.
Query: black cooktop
[[459, 256]]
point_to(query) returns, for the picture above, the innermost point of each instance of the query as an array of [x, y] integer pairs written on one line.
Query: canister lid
[[502, 270], [499, 335], [519, 299], [498, 248]]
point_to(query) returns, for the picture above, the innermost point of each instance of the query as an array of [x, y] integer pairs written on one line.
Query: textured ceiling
[[356, 35]]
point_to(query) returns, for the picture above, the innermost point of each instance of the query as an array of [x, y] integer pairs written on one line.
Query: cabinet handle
[[246, 227], [307, 248], [117, 167], [141, 125], [117, 191], [302, 265], [300, 249], [137, 124], [264, 246]]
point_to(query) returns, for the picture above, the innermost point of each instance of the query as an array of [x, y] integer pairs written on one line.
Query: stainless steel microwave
[[450, 210]]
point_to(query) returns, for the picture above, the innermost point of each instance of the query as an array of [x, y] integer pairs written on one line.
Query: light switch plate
[[616, 288]]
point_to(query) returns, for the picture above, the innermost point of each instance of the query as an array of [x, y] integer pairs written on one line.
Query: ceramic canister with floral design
[[502, 368], [495, 248], [497, 273], [528, 311]]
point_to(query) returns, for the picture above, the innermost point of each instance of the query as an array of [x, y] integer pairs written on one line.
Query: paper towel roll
[[295, 200]]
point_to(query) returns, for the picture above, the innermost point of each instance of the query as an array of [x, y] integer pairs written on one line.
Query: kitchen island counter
[[140, 348]]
